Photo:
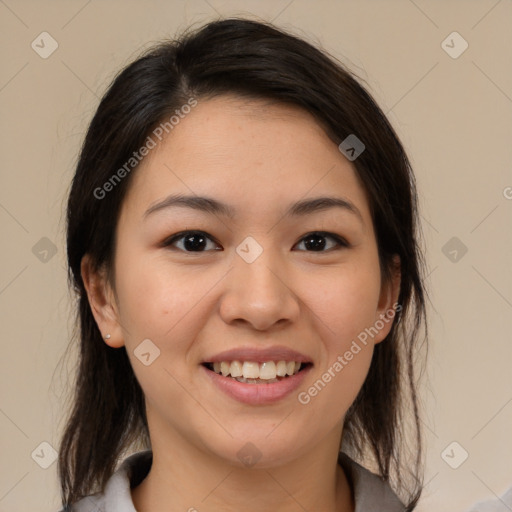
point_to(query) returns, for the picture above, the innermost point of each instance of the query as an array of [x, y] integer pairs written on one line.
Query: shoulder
[[371, 492], [117, 495]]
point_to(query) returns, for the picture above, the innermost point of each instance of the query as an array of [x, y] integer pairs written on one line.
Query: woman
[[242, 239]]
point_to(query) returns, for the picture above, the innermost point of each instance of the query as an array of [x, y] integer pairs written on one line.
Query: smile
[[254, 383], [252, 372]]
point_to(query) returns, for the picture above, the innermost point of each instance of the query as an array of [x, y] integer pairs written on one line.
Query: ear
[[102, 302], [388, 299]]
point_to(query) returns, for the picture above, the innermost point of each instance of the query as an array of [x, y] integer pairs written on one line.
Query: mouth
[[253, 372], [255, 375], [256, 383]]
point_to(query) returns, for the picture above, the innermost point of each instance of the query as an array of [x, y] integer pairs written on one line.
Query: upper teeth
[[252, 370]]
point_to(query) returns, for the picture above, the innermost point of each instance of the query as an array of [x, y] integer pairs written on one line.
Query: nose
[[259, 294]]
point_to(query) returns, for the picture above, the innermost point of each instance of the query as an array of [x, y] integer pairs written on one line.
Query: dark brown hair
[[254, 60]]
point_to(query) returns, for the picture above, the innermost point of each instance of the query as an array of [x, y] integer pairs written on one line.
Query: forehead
[[251, 154]]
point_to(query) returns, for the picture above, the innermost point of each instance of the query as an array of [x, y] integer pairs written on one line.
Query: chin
[[257, 452]]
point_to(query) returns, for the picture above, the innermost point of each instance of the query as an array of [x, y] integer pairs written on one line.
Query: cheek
[[344, 301], [155, 298], [160, 303], [344, 304]]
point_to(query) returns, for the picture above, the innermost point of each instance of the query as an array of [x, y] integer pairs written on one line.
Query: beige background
[[453, 115]]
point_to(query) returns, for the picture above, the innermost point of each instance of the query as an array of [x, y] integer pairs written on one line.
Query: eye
[[193, 241], [315, 241], [197, 241]]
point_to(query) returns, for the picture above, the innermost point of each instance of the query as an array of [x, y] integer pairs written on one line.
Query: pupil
[[190, 245], [312, 242]]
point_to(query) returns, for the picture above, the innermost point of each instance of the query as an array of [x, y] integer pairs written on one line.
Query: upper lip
[[259, 355]]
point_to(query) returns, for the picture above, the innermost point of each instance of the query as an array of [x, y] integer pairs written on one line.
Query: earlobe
[[102, 303], [388, 301]]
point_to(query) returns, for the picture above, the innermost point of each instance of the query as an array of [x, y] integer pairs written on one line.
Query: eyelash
[[341, 242]]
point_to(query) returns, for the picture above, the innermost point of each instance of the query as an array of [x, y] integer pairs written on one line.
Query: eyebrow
[[215, 207]]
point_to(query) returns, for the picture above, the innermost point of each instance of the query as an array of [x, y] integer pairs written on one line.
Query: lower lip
[[257, 394]]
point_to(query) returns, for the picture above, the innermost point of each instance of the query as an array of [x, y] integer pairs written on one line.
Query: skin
[[195, 304]]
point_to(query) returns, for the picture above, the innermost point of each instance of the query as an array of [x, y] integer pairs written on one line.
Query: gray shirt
[[371, 494]]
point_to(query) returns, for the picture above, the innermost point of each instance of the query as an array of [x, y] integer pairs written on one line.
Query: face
[[268, 276]]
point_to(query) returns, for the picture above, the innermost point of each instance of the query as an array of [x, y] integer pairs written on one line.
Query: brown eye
[[315, 241], [193, 241]]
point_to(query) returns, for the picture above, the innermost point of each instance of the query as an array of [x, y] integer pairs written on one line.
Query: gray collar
[[371, 493]]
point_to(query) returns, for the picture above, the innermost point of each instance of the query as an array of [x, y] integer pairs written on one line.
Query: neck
[[187, 479]]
